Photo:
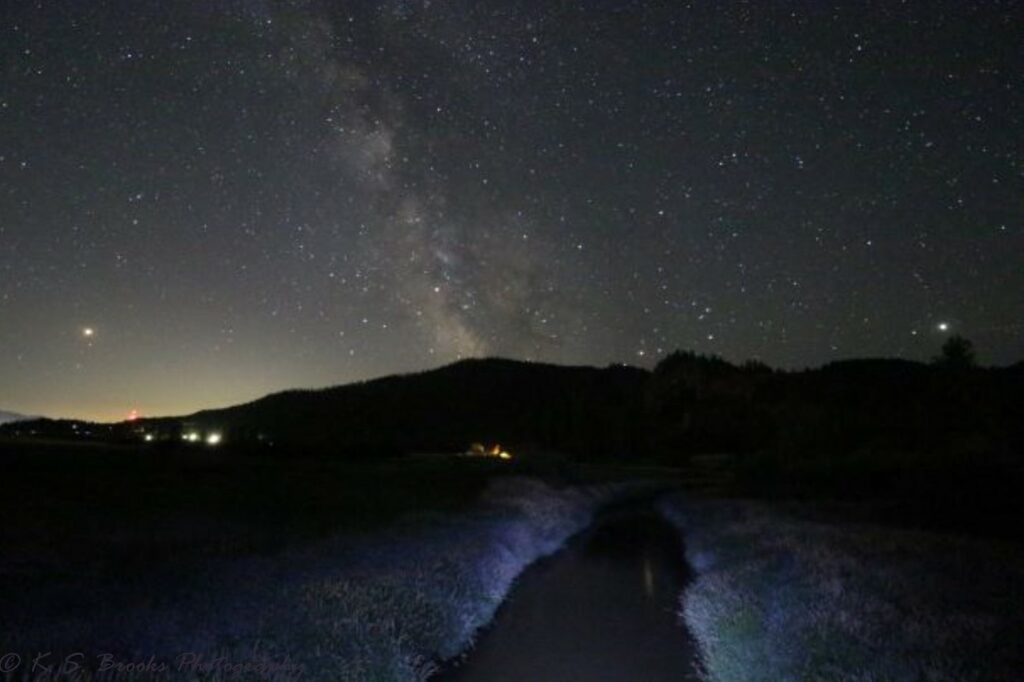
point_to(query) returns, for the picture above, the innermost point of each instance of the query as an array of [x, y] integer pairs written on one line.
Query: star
[[445, 195]]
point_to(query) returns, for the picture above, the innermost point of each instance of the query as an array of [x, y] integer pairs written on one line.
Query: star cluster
[[205, 200]]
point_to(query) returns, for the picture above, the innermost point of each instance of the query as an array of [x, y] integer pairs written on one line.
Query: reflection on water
[[648, 577], [604, 609]]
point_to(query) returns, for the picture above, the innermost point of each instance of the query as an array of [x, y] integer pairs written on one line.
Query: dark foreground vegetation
[[136, 552], [344, 529], [103, 510], [938, 443], [171, 566]]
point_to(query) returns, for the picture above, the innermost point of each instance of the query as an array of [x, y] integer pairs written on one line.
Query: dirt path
[[602, 610]]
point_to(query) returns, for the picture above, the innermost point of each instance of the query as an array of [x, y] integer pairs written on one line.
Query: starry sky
[[202, 201]]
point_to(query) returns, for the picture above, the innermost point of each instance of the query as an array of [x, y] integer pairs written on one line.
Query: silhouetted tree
[[754, 366], [698, 403], [957, 353]]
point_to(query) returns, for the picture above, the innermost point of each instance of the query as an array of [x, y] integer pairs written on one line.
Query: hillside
[[577, 410], [8, 417], [868, 415]]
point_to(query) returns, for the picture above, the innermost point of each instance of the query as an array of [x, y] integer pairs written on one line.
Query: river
[[601, 610]]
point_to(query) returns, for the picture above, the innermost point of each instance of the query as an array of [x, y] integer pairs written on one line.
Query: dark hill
[[577, 410], [878, 408]]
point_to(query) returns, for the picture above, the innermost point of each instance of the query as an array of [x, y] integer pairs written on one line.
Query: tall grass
[[383, 606], [778, 597]]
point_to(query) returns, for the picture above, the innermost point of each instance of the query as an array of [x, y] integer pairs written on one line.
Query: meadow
[[184, 563], [257, 569], [784, 592]]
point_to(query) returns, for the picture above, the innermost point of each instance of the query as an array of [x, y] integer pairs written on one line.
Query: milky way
[[241, 196]]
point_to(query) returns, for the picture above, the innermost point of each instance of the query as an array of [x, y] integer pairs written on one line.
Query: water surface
[[603, 609]]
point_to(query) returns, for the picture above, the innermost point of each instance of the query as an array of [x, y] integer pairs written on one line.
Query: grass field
[[350, 570], [782, 596], [105, 510]]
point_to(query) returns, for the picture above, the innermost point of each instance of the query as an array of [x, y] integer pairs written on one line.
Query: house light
[[213, 438], [479, 450]]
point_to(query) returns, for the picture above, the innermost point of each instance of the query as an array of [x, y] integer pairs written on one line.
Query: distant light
[[88, 332], [191, 437], [213, 439], [479, 450], [942, 326], [148, 437], [133, 415]]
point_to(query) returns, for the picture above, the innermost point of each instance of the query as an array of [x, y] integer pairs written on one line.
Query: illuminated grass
[[387, 605], [780, 598], [419, 597]]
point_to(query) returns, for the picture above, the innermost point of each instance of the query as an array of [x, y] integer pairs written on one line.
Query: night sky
[[202, 201]]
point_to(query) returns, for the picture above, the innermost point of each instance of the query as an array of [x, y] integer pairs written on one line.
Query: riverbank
[[779, 595], [384, 605], [603, 608]]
